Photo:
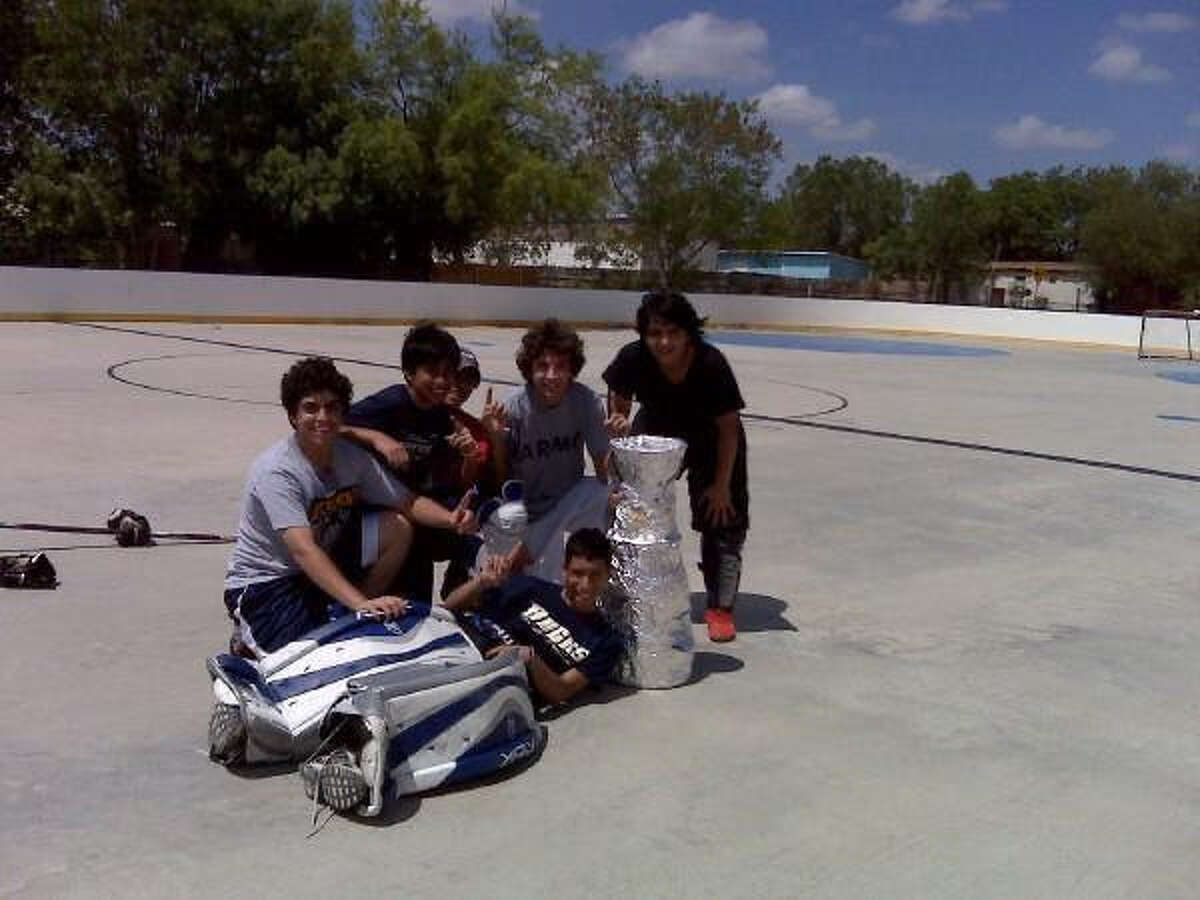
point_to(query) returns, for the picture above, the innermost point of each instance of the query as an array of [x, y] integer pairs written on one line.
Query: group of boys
[[351, 510]]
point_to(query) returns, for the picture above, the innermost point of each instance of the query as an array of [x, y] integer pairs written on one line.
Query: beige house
[[1038, 285]]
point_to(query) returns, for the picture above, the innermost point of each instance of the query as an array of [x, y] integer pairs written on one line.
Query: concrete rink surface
[[968, 661]]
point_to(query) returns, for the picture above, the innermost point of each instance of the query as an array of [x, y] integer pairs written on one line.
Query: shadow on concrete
[[605, 693], [755, 612], [705, 663], [395, 810], [261, 770]]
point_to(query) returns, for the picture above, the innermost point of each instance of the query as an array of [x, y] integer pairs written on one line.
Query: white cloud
[[1192, 119], [1123, 62], [844, 131], [928, 12], [795, 104], [1029, 132], [447, 12], [1181, 152], [918, 172], [1156, 21], [701, 46]]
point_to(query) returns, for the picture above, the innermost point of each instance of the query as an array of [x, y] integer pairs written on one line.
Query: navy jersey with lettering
[[531, 611]]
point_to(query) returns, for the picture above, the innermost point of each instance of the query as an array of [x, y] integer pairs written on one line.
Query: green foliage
[[1138, 231], [687, 170], [896, 254], [341, 136], [948, 225], [839, 205], [16, 47], [943, 244], [1019, 217], [1143, 237], [58, 213]]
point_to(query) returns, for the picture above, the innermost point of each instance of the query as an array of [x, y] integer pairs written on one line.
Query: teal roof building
[[817, 265]]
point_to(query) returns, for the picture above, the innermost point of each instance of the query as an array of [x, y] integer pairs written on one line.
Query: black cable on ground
[[201, 537]]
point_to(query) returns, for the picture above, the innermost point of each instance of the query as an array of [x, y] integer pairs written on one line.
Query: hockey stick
[[89, 529]]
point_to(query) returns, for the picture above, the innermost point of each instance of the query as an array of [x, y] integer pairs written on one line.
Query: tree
[[896, 254], [948, 224], [1019, 218], [839, 205], [169, 106], [1070, 199], [512, 149], [1142, 237], [445, 149], [687, 170], [16, 47]]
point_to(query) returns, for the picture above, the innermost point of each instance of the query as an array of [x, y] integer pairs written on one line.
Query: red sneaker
[[720, 625]]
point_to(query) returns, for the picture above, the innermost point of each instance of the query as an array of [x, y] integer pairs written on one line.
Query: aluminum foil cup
[[647, 466], [653, 613]]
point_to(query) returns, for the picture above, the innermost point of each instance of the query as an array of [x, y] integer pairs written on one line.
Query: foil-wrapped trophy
[[654, 613]]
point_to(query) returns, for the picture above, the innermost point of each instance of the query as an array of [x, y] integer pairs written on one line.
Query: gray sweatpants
[[585, 505]]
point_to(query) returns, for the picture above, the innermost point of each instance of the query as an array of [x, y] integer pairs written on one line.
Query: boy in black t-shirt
[[409, 427], [687, 390], [568, 643]]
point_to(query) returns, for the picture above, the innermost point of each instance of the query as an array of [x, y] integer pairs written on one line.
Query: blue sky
[[929, 86]]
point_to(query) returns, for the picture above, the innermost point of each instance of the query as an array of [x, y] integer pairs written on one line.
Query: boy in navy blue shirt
[[409, 426], [567, 643]]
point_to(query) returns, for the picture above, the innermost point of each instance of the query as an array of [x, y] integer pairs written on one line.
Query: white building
[[561, 247], [1038, 285]]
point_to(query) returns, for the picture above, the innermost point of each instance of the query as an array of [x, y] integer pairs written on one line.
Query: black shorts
[[269, 614], [701, 475]]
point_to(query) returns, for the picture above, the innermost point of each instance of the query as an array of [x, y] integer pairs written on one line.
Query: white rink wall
[[84, 294]]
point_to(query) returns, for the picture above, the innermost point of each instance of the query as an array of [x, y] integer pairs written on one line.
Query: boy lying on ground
[[567, 644]]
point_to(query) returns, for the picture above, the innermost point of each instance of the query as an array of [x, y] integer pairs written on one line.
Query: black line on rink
[[982, 448], [797, 421], [111, 371], [256, 347]]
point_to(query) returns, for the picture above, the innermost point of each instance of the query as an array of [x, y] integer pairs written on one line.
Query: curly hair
[[670, 307], [310, 376], [550, 336]]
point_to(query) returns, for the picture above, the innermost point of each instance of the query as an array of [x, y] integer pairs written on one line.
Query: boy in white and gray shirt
[[550, 422], [323, 525]]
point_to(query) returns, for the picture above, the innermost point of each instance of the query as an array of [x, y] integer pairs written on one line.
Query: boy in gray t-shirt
[[305, 540], [550, 421]]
